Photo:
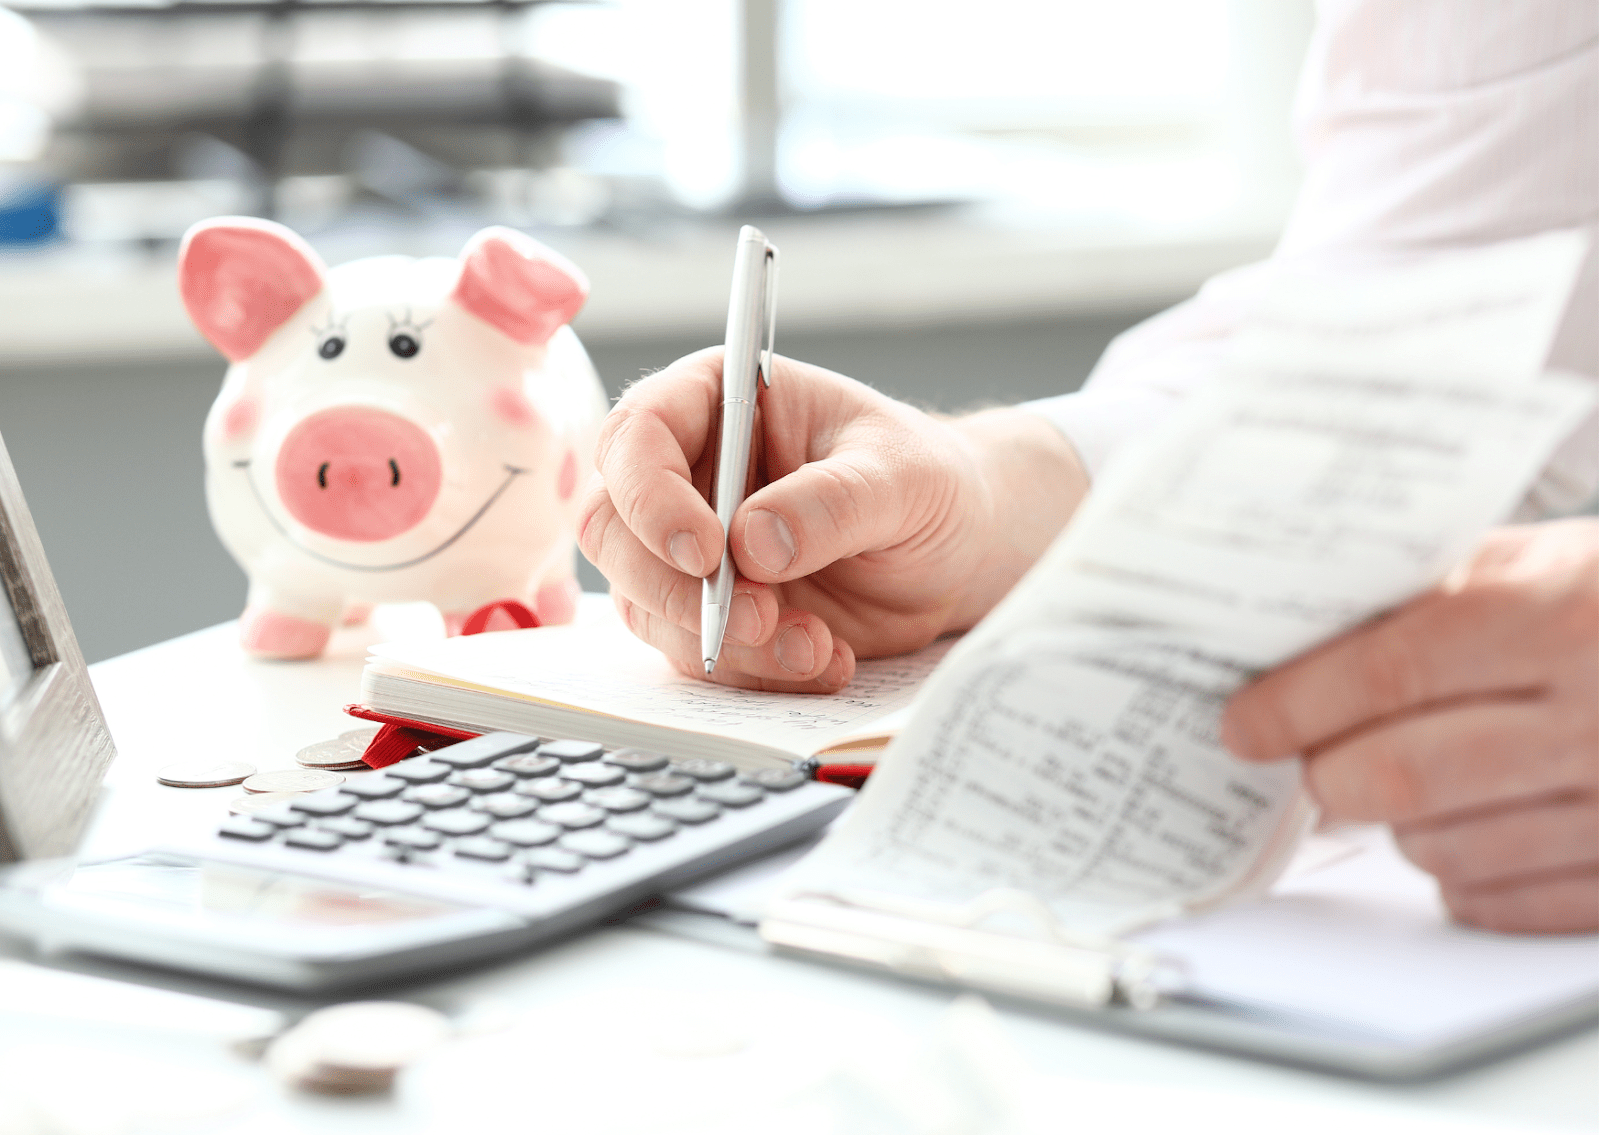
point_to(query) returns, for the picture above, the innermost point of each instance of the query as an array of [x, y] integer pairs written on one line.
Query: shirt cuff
[[1098, 421]]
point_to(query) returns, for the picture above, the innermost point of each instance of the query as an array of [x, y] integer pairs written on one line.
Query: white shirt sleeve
[[1426, 125]]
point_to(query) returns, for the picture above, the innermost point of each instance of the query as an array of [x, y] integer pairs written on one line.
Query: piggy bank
[[392, 430]]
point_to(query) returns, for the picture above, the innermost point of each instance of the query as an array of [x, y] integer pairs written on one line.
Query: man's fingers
[[1496, 847], [801, 649], [1561, 904], [647, 445], [855, 500], [1455, 759], [635, 572], [1437, 647]]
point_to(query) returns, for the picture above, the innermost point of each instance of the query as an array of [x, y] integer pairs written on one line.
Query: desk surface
[[196, 696]]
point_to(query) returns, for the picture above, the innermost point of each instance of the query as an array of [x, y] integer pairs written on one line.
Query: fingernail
[[795, 652], [744, 620], [768, 540], [685, 552]]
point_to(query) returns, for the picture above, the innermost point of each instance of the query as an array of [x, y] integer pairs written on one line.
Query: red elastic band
[[478, 621]]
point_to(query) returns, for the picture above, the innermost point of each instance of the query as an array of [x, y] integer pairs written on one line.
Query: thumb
[[828, 510]]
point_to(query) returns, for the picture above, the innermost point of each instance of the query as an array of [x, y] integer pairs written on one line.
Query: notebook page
[[598, 666], [1364, 434]]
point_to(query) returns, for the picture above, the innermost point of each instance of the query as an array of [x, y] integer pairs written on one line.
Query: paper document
[[1362, 436]]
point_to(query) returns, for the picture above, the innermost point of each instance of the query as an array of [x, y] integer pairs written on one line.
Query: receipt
[[1363, 435]]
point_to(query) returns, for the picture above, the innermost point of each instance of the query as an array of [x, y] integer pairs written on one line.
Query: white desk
[[197, 695]]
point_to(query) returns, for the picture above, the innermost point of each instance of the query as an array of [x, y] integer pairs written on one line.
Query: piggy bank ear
[[514, 283], [241, 279]]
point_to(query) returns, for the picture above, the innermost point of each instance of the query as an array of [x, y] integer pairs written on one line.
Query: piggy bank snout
[[357, 473]]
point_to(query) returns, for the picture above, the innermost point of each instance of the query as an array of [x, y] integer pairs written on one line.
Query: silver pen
[[752, 318]]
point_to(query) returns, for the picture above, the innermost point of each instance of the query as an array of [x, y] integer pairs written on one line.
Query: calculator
[[478, 849]]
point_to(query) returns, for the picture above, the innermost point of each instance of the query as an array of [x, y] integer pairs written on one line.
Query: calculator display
[[248, 893]]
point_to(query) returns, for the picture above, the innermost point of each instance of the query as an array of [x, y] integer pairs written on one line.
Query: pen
[[752, 311]]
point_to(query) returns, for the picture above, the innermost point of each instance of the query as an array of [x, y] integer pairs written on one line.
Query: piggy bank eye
[[331, 347], [403, 345]]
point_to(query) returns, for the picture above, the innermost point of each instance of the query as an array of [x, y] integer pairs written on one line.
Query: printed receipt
[[1364, 434]]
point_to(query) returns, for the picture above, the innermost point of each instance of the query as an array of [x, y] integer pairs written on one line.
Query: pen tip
[[711, 664]]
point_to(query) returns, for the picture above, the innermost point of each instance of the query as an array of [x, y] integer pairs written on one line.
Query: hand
[[870, 527], [1465, 719]]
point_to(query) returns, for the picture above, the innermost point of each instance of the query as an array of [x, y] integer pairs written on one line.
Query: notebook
[[594, 681]]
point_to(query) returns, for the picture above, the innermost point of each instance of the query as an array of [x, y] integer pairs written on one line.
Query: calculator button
[[618, 799], [314, 839], [437, 795], [572, 815], [642, 825], [664, 784], [595, 775], [347, 826], [571, 752], [244, 827], [417, 771], [503, 805], [637, 760], [702, 769], [417, 839], [387, 812], [482, 780], [329, 802], [484, 750], [279, 816], [550, 791], [528, 764], [525, 833], [457, 821], [776, 779], [374, 786], [596, 844], [732, 795], [481, 847], [688, 811], [553, 859]]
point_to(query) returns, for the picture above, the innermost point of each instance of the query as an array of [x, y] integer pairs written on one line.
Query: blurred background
[[971, 199]]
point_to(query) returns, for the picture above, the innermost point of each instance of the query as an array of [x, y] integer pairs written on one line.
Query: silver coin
[[365, 735], [356, 1047], [332, 753], [204, 773], [293, 780], [244, 805]]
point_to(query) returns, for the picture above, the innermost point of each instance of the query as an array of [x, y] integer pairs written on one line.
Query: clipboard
[[1472, 996]]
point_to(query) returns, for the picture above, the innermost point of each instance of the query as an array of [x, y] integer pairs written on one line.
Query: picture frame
[[54, 743]]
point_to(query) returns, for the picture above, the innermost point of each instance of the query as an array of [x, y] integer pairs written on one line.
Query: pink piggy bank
[[392, 430]]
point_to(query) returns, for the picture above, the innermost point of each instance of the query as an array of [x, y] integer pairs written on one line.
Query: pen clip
[[769, 288]]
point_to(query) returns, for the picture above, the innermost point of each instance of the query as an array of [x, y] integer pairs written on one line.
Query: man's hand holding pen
[[869, 528]]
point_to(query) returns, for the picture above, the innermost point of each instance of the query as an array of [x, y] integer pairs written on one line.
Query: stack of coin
[[355, 1048], [205, 773], [339, 754], [293, 780], [255, 801]]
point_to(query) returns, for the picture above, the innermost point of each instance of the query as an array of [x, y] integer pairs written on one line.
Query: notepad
[[594, 681]]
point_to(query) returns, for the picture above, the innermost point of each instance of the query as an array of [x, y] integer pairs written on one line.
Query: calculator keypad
[[515, 806]]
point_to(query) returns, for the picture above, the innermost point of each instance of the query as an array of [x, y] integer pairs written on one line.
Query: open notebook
[[592, 680]]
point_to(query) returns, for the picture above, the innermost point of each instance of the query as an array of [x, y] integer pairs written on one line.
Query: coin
[[356, 1047], [204, 773], [292, 780], [244, 805], [365, 736], [338, 752]]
